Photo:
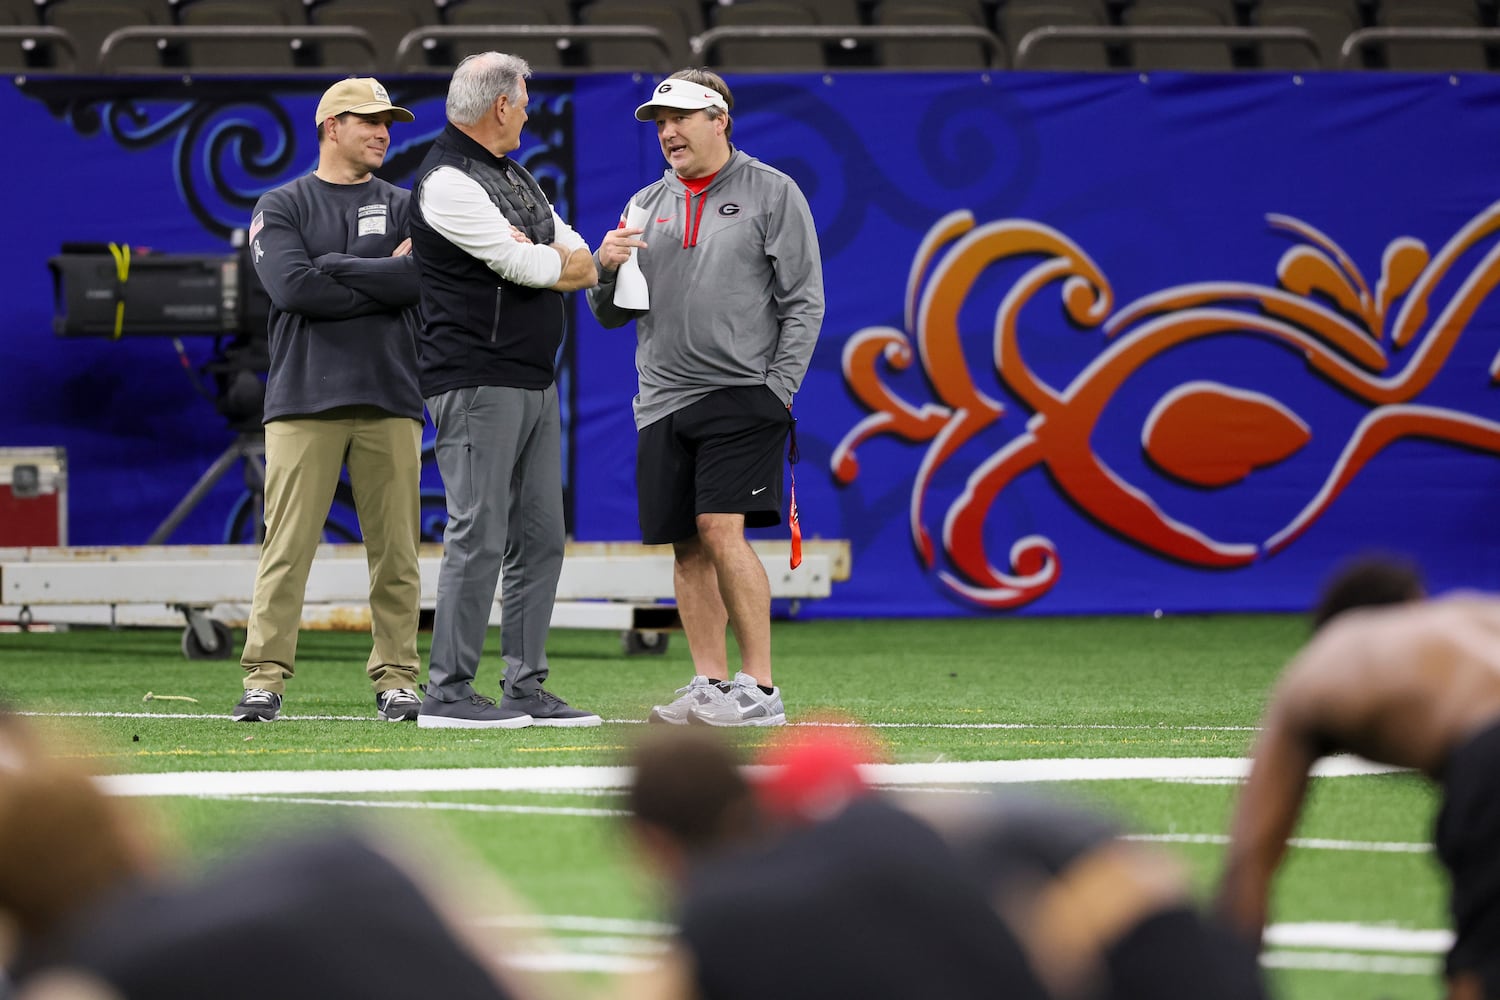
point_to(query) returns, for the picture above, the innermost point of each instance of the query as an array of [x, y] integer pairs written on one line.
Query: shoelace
[[550, 698], [259, 696], [481, 700], [400, 696]]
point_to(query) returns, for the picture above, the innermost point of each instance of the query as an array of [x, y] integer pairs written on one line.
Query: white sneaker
[[700, 691], [398, 705], [744, 704]]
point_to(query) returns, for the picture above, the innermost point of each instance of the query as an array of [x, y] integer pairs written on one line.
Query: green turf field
[[1348, 902]]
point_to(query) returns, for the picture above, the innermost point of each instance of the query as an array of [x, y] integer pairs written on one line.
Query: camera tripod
[[249, 447]]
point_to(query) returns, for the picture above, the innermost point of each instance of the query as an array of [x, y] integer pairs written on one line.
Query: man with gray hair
[[494, 260]]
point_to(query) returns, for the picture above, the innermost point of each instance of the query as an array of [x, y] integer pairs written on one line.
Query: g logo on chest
[[729, 209]]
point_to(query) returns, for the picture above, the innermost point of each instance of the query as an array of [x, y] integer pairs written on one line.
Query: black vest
[[478, 328]]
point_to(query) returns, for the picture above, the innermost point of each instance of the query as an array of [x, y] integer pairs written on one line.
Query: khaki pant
[[303, 459]]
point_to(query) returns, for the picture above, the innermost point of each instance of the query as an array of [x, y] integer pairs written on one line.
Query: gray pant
[[499, 450]]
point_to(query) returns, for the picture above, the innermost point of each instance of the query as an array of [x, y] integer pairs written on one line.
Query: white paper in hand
[[630, 284]]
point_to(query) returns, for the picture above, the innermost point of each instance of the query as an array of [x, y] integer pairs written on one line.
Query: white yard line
[[1313, 843], [1343, 961], [601, 944], [223, 716], [478, 807], [1359, 937], [579, 924], [521, 779]]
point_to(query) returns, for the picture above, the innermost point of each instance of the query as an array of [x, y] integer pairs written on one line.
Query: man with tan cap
[[333, 252], [734, 280]]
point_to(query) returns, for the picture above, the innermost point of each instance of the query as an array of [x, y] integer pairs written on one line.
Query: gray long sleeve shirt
[[343, 310], [736, 283]]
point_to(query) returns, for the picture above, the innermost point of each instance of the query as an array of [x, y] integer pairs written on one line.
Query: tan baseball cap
[[362, 95]]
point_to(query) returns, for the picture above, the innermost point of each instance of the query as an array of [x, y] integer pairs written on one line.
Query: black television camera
[[107, 290]]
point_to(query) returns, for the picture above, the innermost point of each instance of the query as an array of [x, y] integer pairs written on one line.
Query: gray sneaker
[[744, 704], [257, 705], [397, 705], [700, 691], [474, 712], [547, 709]]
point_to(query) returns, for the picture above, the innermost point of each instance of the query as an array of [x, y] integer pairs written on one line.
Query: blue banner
[[1095, 343]]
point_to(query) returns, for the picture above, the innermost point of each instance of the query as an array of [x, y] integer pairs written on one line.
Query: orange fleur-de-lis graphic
[[1202, 432]]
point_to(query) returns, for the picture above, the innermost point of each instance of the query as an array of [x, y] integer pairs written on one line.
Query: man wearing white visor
[[734, 302]]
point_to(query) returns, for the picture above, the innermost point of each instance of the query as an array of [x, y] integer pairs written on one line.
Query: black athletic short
[[720, 455], [1468, 828]]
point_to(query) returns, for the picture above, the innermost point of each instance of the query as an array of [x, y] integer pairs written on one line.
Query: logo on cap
[[380, 93], [664, 87]]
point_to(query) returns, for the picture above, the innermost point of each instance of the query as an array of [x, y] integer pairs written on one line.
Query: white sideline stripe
[[1313, 843], [1342, 961], [479, 807], [223, 716], [1320, 961], [1343, 947], [566, 961], [521, 779], [1327, 935], [579, 924], [1359, 937]]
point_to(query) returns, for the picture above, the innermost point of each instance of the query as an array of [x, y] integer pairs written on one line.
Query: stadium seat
[[385, 21], [666, 17], [1328, 21], [1181, 55], [89, 22], [1425, 55], [828, 12], [19, 12], [542, 54], [931, 52], [19, 52], [1018, 18], [758, 53], [271, 55]]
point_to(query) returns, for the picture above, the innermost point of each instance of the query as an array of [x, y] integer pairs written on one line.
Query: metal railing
[[1354, 45], [110, 61], [994, 47], [1115, 35], [52, 36], [530, 32]]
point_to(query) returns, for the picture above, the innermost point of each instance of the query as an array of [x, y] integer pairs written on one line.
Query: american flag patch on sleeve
[[256, 224]]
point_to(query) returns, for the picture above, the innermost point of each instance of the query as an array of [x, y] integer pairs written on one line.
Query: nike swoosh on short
[[756, 493], [667, 219]]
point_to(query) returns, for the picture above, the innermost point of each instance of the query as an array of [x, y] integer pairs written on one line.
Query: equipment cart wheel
[[196, 647], [638, 643]]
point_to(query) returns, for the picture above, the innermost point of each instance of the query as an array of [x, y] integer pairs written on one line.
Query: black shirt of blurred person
[[1101, 917], [324, 917], [812, 884], [868, 903]]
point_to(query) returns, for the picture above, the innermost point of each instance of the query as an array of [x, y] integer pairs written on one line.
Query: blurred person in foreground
[[857, 893], [729, 253], [333, 252], [495, 261], [97, 912], [1401, 680]]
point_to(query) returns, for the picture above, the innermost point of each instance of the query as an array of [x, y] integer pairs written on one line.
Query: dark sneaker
[[547, 709], [258, 705], [744, 704], [474, 712], [398, 705], [700, 691]]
